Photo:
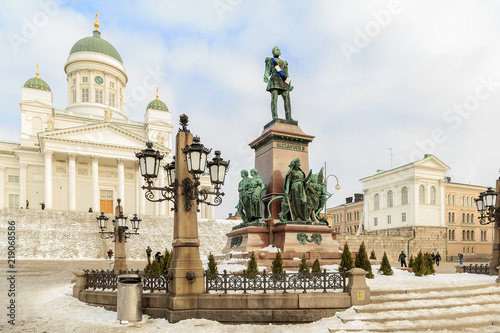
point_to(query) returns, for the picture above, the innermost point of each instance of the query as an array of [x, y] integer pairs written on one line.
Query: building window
[[389, 199], [85, 79], [376, 202], [388, 219], [403, 217], [468, 249], [36, 125], [453, 234], [404, 196], [85, 95], [111, 84], [483, 235], [74, 81], [375, 221], [13, 179], [468, 234], [421, 194], [13, 200], [112, 100], [472, 251], [463, 234], [453, 200], [99, 96], [74, 96], [463, 200], [463, 250], [471, 218], [472, 235], [433, 195], [448, 199]]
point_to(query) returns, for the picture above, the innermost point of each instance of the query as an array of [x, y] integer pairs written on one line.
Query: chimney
[[358, 197], [348, 200]]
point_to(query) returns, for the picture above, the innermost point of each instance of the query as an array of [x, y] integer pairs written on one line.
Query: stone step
[[441, 303], [423, 314], [420, 291], [490, 321], [492, 290]]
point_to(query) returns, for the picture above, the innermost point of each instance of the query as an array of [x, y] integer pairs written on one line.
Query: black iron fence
[[323, 281], [478, 269], [275, 281], [95, 279]]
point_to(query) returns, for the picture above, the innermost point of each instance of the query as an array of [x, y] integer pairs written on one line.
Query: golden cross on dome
[[96, 24], [37, 74], [157, 93]]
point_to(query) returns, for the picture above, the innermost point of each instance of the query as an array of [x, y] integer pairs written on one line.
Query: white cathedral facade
[[83, 156]]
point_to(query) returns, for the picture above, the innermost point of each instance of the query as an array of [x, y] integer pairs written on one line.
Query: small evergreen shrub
[[429, 264], [419, 265], [278, 263], [363, 262], [410, 263], [304, 268], [372, 255], [385, 267], [212, 265], [252, 268], [346, 262], [316, 266]]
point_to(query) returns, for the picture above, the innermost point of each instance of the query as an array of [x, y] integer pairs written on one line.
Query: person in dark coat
[[402, 258], [438, 258], [461, 257], [43, 205], [110, 253], [148, 253]]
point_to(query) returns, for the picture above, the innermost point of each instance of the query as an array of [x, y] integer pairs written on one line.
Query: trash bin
[[129, 297]]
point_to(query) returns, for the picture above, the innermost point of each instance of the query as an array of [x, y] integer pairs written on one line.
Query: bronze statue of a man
[[278, 83]]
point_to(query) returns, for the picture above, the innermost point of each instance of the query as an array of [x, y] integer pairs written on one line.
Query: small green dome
[[37, 83], [157, 105], [96, 44]]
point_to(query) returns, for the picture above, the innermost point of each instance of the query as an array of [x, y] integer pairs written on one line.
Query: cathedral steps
[[475, 308]]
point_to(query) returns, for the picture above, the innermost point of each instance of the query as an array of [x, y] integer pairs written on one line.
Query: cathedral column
[[96, 196], [121, 180], [161, 178], [78, 91], [142, 198], [71, 181], [22, 184], [2, 187], [106, 88], [48, 179], [91, 86]]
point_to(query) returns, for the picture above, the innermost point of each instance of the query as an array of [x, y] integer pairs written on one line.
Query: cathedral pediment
[[432, 162], [103, 139]]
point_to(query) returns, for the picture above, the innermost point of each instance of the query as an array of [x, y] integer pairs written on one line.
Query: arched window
[[453, 234], [390, 199], [448, 199], [421, 194], [463, 217], [36, 125], [472, 235], [404, 196], [463, 200], [463, 234], [468, 218], [433, 195], [453, 200], [376, 202], [468, 235], [471, 218], [449, 234], [472, 250]]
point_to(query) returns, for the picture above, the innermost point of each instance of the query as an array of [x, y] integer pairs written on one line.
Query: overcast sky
[[414, 76]]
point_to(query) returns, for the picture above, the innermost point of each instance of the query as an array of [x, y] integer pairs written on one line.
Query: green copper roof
[[157, 105], [37, 83], [96, 44]]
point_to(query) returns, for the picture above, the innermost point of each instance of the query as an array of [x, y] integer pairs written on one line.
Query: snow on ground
[[45, 302]]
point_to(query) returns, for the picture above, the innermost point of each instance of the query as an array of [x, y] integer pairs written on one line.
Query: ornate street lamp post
[[488, 205], [119, 233], [183, 176]]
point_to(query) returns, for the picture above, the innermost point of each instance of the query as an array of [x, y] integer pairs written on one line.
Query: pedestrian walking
[[438, 258], [433, 257], [27, 204], [402, 258], [110, 253], [43, 205], [461, 258], [148, 253]]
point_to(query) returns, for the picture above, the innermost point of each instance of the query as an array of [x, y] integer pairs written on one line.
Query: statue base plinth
[[293, 241]]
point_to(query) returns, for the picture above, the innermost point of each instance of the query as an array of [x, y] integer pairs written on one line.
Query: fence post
[[264, 277], [357, 287], [284, 281], [206, 281], [324, 280], [80, 281], [225, 282]]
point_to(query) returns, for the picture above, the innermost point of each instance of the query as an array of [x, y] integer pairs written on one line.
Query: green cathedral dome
[[37, 83], [157, 105], [96, 44]]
